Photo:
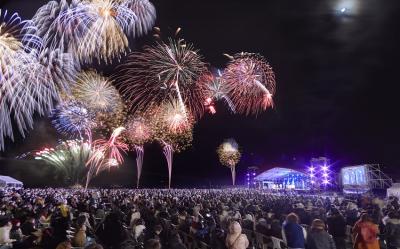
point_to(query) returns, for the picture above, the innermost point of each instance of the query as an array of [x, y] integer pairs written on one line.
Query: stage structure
[[283, 179], [250, 175], [363, 178], [320, 173]]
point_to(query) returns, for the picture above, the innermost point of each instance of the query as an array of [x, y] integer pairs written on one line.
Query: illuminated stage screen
[[354, 176]]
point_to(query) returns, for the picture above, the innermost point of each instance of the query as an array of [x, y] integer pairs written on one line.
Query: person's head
[[335, 211], [365, 217], [235, 228], [94, 246], [292, 218], [317, 225], [152, 244], [16, 223], [64, 245]]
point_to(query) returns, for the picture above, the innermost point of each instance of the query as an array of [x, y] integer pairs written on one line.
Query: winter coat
[[319, 240], [392, 232], [294, 235], [337, 226]]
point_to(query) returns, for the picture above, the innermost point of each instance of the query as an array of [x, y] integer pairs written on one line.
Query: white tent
[[6, 181], [394, 190]]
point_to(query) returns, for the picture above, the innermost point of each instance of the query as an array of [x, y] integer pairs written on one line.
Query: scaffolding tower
[[376, 178]]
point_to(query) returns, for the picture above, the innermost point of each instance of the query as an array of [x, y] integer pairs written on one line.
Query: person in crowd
[[16, 232], [79, 239], [64, 245], [337, 228], [293, 234], [138, 229], [204, 215], [365, 233], [392, 230], [153, 244], [318, 238], [235, 239], [112, 232], [5, 228], [29, 226]]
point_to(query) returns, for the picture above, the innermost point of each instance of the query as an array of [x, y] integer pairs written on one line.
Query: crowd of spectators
[[175, 219]]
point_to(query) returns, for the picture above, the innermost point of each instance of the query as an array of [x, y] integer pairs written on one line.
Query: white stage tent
[[7, 181], [282, 178], [276, 173]]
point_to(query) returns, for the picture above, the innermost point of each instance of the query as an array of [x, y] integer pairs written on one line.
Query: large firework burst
[[250, 83], [17, 100], [229, 155], [59, 25], [73, 117], [161, 73], [94, 29], [173, 128], [69, 158], [96, 92]]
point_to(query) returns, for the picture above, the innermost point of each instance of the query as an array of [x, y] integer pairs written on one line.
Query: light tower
[[250, 175], [320, 172]]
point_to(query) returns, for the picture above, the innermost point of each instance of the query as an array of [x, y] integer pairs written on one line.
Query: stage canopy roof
[[7, 181], [277, 173]]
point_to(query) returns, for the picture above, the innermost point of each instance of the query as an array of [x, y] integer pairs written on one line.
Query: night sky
[[337, 94]]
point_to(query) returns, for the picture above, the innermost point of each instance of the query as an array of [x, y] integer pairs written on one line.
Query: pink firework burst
[[250, 83]]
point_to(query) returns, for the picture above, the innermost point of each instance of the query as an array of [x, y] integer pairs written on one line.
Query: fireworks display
[[250, 83], [229, 155], [163, 72], [68, 158], [173, 128], [106, 154], [158, 93], [94, 29], [145, 15], [138, 130], [215, 90], [53, 27], [17, 95], [111, 149], [71, 116], [96, 92]]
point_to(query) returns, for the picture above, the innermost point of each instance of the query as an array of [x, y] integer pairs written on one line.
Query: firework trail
[[229, 155]]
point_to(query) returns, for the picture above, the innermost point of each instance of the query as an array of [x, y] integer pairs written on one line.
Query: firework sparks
[[68, 158], [229, 155], [145, 13], [71, 116], [59, 24], [250, 82], [96, 92], [215, 90], [107, 154], [17, 96], [175, 134], [161, 73], [138, 133]]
